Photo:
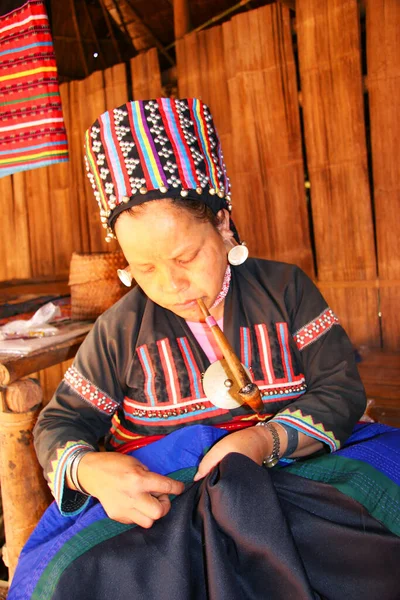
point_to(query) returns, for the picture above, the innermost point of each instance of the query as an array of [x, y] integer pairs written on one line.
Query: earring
[[237, 253], [125, 276]]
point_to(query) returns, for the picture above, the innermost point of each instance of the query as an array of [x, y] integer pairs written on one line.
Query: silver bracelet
[[273, 458], [74, 461]]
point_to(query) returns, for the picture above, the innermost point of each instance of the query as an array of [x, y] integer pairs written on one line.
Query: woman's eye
[[187, 260]]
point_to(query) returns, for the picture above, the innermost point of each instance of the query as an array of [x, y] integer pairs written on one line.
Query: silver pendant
[[220, 387]]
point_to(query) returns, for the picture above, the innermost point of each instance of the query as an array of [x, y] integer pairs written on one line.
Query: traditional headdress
[[154, 149]]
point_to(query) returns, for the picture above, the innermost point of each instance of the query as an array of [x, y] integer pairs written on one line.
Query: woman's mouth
[[186, 305]]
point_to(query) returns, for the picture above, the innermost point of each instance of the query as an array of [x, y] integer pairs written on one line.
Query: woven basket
[[94, 283]]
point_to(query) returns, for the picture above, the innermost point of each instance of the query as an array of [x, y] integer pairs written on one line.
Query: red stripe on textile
[[189, 368], [199, 136], [145, 349], [186, 418], [136, 444], [209, 150], [24, 137], [281, 346], [315, 329], [138, 144], [171, 139], [17, 88], [264, 348], [187, 149], [89, 391], [234, 425], [120, 155], [170, 374], [108, 161], [242, 347], [174, 145]]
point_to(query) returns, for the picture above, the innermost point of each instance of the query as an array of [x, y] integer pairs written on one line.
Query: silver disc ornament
[[220, 386]]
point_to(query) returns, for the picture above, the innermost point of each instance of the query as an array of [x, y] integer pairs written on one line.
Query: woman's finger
[[150, 506], [210, 460], [159, 484], [130, 516]]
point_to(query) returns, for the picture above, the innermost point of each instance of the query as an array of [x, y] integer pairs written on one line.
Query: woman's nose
[[174, 280]]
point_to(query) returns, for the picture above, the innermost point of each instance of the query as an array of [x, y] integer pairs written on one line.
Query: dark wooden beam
[[288, 3], [79, 38], [160, 47], [93, 33], [181, 18], [110, 30]]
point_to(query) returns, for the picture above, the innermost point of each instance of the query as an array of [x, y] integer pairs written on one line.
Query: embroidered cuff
[[69, 501], [305, 424]]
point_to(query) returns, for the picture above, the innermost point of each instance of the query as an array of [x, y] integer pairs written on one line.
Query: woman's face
[[175, 257]]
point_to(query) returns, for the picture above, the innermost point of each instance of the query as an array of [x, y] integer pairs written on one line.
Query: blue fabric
[[375, 444], [378, 445], [181, 449]]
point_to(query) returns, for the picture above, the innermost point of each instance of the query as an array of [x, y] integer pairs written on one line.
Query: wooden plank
[[332, 97], [92, 103], [18, 255], [268, 176], [202, 74], [6, 197], [15, 261], [353, 305], [80, 232], [40, 223], [146, 76], [62, 214], [383, 63], [116, 86]]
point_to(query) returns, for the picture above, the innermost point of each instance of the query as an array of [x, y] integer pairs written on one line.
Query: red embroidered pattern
[[89, 392], [315, 329]]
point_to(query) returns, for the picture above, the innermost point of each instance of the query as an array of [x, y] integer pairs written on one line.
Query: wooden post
[[24, 492], [181, 18]]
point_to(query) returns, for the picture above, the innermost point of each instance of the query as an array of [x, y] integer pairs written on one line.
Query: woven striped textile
[[32, 131]]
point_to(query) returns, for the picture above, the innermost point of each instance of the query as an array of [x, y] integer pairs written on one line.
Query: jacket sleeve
[[335, 397], [79, 413]]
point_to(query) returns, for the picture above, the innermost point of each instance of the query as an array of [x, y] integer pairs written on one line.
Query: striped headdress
[[154, 149]]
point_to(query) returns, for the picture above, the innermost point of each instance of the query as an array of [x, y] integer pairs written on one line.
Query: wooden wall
[[289, 125], [309, 138]]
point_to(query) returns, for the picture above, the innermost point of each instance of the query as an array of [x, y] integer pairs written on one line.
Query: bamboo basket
[[94, 283]]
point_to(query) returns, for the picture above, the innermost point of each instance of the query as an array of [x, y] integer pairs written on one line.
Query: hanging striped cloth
[[32, 131]]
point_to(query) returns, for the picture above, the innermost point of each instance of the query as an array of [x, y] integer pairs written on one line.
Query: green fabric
[[359, 480], [86, 539]]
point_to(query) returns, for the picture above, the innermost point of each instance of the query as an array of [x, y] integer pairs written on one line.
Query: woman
[[234, 529]]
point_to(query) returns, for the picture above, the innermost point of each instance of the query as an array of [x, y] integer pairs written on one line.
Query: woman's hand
[[254, 442], [127, 490]]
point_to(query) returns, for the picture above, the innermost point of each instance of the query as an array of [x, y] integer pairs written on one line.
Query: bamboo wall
[[285, 124], [289, 108]]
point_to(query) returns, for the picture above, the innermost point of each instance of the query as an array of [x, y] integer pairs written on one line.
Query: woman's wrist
[[71, 474], [266, 440], [275, 442]]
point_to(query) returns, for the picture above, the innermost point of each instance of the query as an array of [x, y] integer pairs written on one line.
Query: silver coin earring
[[125, 276], [237, 253]]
